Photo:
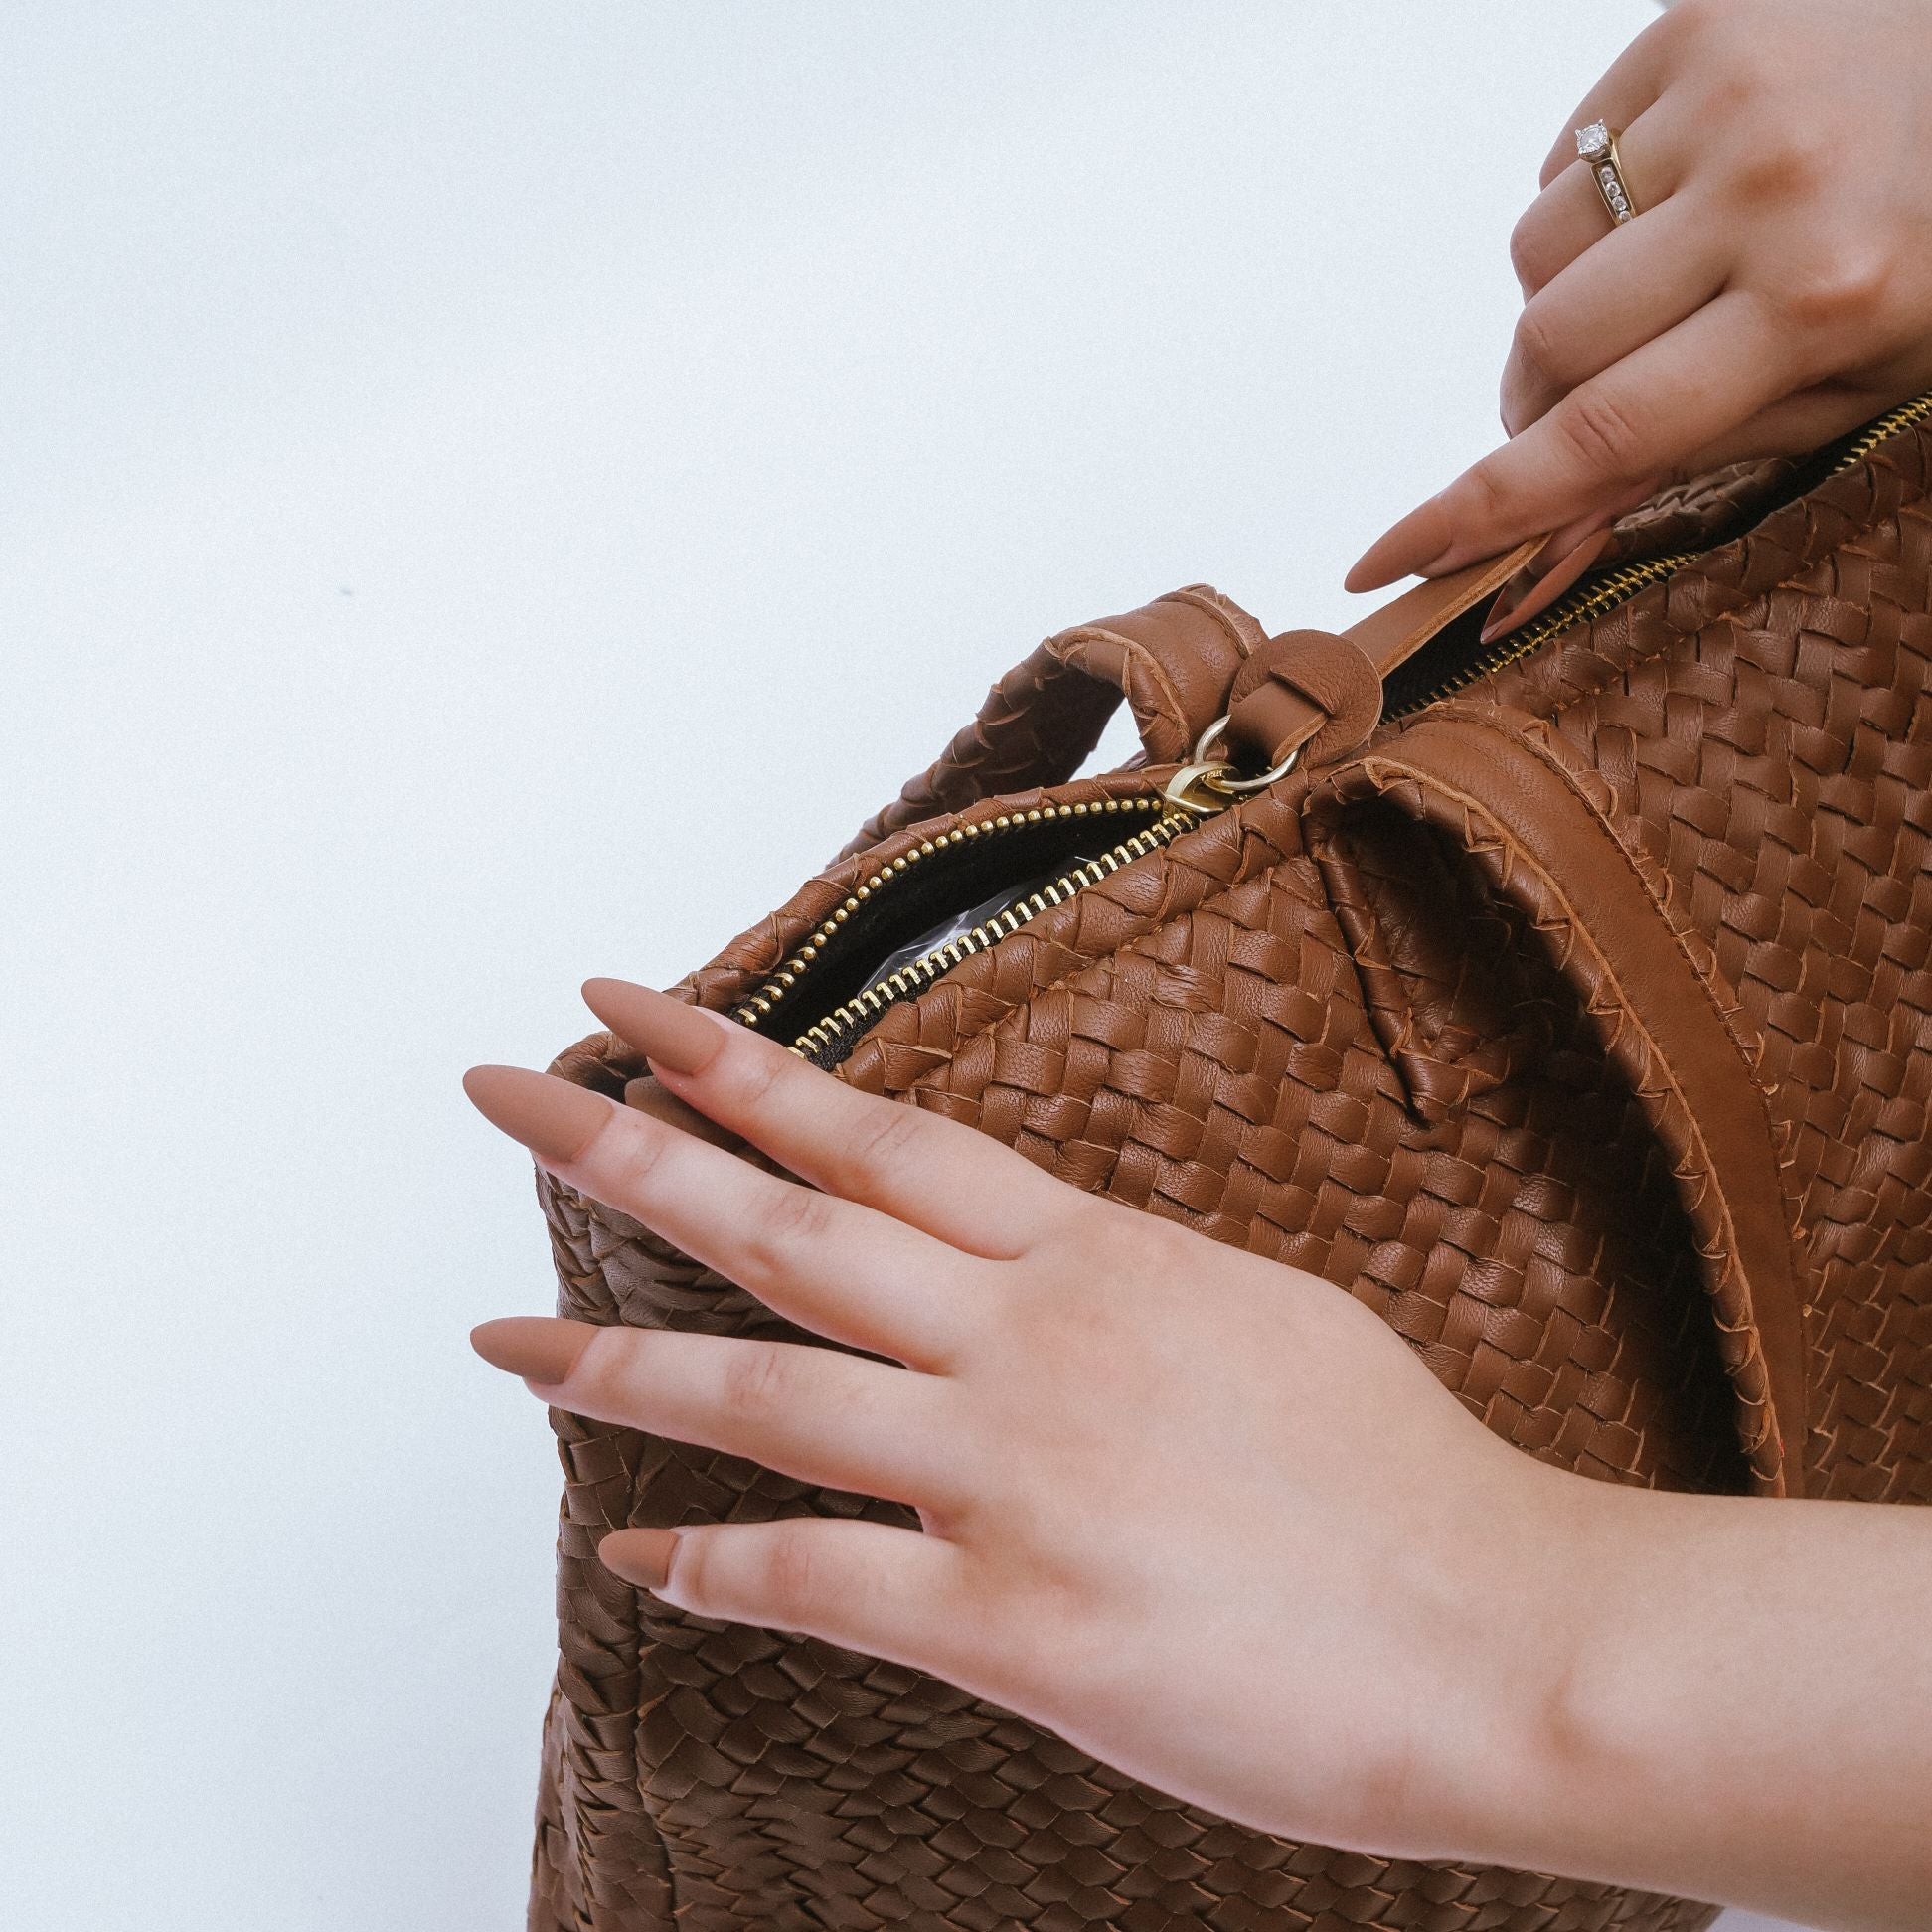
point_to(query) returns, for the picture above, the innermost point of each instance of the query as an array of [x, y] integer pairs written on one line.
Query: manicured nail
[[554, 1119], [640, 1556], [669, 1032], [1378, 567], [1420, 543], [538, 1348], [1538, 585], [1498, 620], [1363, 574]]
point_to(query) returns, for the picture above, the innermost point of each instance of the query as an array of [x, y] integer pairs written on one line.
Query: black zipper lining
[[904, 898]]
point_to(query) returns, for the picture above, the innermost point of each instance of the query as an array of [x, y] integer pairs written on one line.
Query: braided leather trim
[[1542, 859]]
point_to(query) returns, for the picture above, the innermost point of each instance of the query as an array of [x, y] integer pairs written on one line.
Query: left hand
[[1773, 291], [1204, 1514]]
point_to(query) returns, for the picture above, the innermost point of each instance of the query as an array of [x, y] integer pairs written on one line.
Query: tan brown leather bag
[[1566, 1001]]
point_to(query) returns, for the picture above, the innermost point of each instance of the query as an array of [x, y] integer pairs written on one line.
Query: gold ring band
[[1596, 148]]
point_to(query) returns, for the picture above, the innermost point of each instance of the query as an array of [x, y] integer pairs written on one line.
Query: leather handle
[[1320, 693], [1180, 662], [1500, 788], [1173, 660]]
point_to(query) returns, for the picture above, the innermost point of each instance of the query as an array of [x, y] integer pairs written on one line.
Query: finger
[[1565, 555], [1641, 417], [1568, 216], [1795, 425], [931, 1173], [1630, 85], [649, 1095], [828, 1264], [1561, 561], [823, 1416], [889, 1592], [1636, 282]]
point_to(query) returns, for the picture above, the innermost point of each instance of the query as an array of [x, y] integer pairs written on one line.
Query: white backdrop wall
[[493, 493]]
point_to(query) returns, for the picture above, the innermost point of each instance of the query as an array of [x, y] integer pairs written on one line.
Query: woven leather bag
[[1566, 1001]]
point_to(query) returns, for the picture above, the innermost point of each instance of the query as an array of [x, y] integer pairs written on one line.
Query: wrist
[[1728, 1706], [1516, 1781], [1588, 1717]]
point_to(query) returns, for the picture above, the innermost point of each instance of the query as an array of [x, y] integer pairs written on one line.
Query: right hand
[[1773, 291]]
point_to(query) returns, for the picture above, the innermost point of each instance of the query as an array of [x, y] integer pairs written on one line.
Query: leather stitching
[[1069, 646], [1538, 748], [1380, 769], [1200, 597]]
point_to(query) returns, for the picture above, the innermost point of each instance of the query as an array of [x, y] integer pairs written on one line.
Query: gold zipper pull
[[1198, 789], [1211, 785]]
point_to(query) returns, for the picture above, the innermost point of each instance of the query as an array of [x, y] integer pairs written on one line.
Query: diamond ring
[[1596, 147]]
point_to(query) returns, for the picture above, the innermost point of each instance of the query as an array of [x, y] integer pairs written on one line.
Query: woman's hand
[[1211, 1520], [1773, 291], [1204, 1514]]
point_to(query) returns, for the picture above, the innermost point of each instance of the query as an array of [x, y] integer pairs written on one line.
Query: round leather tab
[[1306, 690]]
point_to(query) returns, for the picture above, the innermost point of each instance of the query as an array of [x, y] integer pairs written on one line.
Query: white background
[[494, 493]]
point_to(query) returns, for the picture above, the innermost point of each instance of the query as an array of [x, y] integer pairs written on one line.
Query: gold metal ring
[[1208, 784], [1224, 779], [1596, 147]]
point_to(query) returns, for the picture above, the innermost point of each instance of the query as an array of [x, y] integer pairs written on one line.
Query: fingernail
[[668, 1032], [1502, 610], [555, 1120], [1536, 586], [1415, 544], [1371, 571], [640, 1556], [540, 1348]]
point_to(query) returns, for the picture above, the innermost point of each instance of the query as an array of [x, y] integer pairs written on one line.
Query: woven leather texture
[[1196, 1035], [1704, 511]]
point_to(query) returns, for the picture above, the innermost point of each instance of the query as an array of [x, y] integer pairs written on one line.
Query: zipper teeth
[[1592, 600], [1869, 439], [1604, 594], [761, 1004], [923, 971], [1584, 604]]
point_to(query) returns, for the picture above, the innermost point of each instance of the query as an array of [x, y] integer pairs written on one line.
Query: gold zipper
[[1167, 815], [1582, 605], [1595, 597], [1869, 438], [1165, 822]]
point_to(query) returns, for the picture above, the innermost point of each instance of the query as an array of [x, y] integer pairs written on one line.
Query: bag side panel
[[1766, 722]]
